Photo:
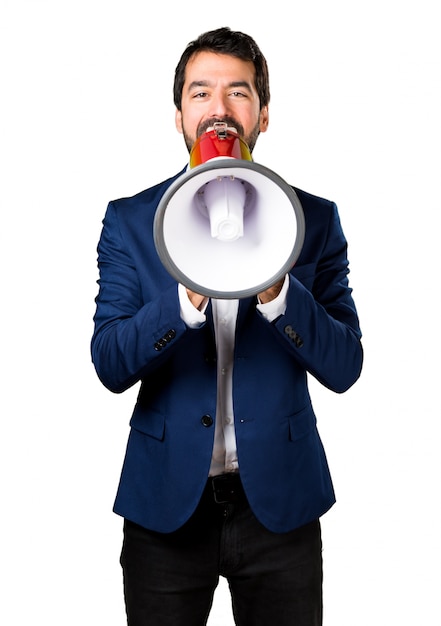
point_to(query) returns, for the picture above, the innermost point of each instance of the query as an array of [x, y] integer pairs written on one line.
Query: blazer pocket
[[151, 423], [301, 423]]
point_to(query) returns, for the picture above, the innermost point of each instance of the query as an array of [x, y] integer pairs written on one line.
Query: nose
[[219, 105]]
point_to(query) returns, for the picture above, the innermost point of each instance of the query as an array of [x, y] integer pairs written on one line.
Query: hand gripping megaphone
[[228, 227]]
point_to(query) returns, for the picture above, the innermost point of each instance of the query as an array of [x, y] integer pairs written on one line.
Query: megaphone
[[228, 227]]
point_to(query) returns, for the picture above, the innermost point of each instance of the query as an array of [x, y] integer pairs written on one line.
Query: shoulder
[[319, 213], [147, 197], [310, 201]]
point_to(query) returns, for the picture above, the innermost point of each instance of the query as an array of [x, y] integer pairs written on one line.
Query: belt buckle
[[223, 489]]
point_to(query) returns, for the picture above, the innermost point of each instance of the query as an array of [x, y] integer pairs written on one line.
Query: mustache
[[230, 121]]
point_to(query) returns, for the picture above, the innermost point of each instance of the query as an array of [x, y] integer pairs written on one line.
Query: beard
[[250, 140]]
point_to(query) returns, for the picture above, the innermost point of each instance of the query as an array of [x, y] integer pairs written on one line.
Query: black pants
[[274, 579]]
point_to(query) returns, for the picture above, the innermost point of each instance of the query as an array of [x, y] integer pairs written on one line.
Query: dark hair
[[225, 41]]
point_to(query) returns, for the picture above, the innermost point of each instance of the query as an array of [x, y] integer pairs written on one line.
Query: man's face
[[220, 88]]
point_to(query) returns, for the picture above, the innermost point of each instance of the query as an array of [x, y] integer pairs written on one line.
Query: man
[[224, 471]]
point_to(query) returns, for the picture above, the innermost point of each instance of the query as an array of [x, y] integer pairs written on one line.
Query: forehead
[[210, 66]]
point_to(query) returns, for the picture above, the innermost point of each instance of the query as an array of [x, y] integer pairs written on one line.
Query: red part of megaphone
[[219, 143]]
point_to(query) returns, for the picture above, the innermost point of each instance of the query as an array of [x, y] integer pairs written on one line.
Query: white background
[[87, 116]]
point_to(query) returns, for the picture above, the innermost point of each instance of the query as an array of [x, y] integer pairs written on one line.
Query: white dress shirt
[[224, 457]]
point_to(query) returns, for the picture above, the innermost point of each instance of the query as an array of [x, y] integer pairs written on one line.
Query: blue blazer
[[139, 336]]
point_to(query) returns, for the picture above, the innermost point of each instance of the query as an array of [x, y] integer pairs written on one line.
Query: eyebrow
[[206, 83]]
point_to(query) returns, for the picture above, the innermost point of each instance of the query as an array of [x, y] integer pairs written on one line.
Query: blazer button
[[293, 336], [289, 331], [159, 345], [206, 420]]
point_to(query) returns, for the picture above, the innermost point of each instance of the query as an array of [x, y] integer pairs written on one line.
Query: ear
[[264, 119], [178, 121]]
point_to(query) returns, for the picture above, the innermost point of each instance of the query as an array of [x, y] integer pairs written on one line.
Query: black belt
[[227, 488]]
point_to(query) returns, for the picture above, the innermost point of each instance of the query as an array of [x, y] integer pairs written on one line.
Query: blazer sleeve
[[320, 325], [133, 333]]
